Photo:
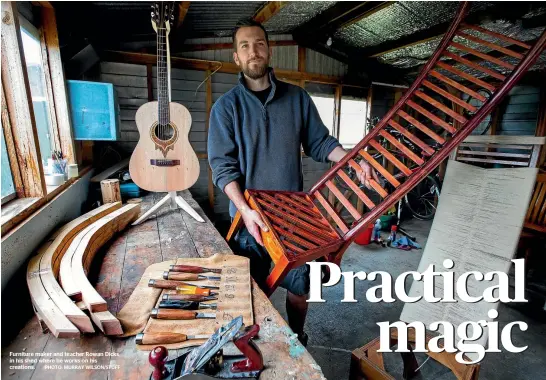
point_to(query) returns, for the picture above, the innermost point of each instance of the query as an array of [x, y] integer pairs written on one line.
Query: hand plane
[[208, 361]]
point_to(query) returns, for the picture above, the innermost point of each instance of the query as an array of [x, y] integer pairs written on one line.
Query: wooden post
[[369, 101], [302, 63], [110, 191], [541, 125], [12, 154], [49, 29], [208, 105], [19, 105]]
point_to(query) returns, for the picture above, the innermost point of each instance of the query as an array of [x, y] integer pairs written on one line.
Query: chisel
[[186, 305], [192, 290], [166, 337], [179, 314], [171, 284], [187, 297], [187, 276], [193, 269]]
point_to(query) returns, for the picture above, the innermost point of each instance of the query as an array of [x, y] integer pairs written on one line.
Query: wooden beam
[[208, 107], [183, 7], [19, 105], [49, 28], [337, 111], [228, 45], [269, 10], [10, 146], [204, 65]]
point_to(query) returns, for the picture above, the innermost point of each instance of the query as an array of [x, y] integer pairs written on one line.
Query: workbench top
[[173, 234]]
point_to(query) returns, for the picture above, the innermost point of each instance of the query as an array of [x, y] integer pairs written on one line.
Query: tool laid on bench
[[208, 361], [186, 305], [178, 276], [188, 297], [171, 284], [166, 338], [179, 314], [193, 269]]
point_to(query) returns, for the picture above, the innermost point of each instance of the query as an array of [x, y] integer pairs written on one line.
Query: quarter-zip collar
[[272, 80]]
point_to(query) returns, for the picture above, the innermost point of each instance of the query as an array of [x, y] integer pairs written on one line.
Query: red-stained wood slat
[[423, 128], [402, 148], [474, 65], [484, 56], [449, 96], [460, 118], [388, 176], [331, 212], [396, 162], [466, 76], [348, 205], [496, 35], [480, 41], [416, 140], [435, 119]]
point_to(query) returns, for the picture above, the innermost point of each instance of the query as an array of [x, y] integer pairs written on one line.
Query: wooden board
[[110, 171], [54, 252]]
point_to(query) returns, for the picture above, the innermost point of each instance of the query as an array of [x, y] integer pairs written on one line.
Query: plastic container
[[365, 236]]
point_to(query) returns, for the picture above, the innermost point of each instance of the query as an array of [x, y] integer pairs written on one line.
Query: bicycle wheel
[[422, 200]]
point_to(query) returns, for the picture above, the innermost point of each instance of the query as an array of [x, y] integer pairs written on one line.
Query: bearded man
[[256, 133]]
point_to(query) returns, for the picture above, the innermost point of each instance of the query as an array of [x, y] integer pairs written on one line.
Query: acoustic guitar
[[163, 159]]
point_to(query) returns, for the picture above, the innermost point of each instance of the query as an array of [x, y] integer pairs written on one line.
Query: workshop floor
[[335, 329]]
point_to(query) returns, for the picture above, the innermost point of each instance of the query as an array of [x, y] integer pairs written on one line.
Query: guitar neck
[[163, 75]]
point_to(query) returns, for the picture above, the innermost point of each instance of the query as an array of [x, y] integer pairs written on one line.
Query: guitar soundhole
[[164, 132]]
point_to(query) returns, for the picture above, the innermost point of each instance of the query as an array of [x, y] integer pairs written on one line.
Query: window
[[36, 78], [8, 188], [352, 123], [323, 97]]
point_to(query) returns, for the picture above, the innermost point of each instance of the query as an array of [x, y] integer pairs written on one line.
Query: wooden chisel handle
[[163, 284], [193, 269], [187, 297], [183, 289], [183, 276], [160, 338], [173, 314]]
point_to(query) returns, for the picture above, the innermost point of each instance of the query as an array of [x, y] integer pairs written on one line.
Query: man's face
[[252, 54]]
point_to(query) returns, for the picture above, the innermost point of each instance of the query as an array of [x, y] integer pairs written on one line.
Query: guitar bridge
[[164, 162]]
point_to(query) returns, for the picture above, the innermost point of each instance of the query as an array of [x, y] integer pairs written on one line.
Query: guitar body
[[163, 159]]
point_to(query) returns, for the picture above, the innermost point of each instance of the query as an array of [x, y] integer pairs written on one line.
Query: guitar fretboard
[[162, 77]]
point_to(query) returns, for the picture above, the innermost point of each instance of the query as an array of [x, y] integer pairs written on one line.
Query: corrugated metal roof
[[217, 18], [294, 14]]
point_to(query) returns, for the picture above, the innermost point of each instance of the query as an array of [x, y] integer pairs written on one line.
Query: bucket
[[365, 236]]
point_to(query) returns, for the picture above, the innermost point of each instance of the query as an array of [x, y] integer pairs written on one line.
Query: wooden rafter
[[183, 7], [270, 9], [229, 45], [204, 65]]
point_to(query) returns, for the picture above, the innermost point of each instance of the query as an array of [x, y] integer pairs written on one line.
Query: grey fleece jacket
[[259, 145]]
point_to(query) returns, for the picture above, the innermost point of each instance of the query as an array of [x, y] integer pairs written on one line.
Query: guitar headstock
[[162, 15]]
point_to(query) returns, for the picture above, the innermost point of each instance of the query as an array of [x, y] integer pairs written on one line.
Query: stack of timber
[[55, 310]]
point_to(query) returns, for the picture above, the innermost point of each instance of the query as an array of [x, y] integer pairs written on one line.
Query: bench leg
[[235, 226], [279, 272]]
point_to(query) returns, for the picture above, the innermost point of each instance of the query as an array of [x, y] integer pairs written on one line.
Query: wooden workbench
[[171, 235]]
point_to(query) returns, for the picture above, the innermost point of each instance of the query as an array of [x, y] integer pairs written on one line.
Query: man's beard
[[257, 73]]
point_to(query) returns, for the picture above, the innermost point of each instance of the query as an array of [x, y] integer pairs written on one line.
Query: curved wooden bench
[[55, 251], [52, 306], [76, 262]]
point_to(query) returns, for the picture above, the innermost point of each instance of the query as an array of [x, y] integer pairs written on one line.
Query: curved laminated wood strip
[[54, 252], [73, 277], [45, 308]]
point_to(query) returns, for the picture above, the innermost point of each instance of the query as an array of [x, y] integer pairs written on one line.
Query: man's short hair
[[246, 23]]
